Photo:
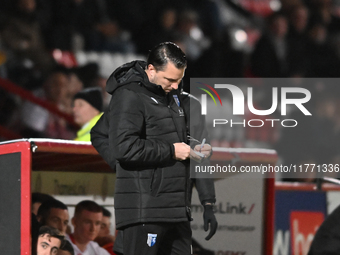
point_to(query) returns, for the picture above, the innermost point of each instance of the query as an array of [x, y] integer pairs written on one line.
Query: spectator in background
[[58, 89], [164, 27], [49, 241], [73, 87], [55, 90], [167, 22], [54, 213], [38, 199], [322, 60], [88, 74], [59, 33], [104, 238], [34, 233], [220, 60], [298, 39], [87, 221], [111, 37], [194, 41], [87, 109], [105, 33], [71, 24], [86, 25], [298, 20], [23, 38], [270, 56], [93, 76], [324, 11]]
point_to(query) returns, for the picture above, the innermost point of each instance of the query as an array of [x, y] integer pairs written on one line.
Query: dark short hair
[[38, 197], [53, 232], [45, 208], [164, 53], [106, 212], [87, 205], [67, 246]]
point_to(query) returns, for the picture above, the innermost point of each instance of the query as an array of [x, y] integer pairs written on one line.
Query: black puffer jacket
[[144, 123], [327, 238]]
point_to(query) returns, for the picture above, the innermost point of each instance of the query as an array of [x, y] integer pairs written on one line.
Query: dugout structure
[[18, 158]]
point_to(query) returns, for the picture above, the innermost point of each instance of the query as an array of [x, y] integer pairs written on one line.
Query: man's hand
[[182, 151], [206, 149], [209, 217]]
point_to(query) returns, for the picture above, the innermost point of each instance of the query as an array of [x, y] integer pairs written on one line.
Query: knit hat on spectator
[[93, 96]]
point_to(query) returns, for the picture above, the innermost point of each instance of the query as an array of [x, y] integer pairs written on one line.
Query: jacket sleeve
[[100, 140], [205, 189], [205, 186], [127, 134]]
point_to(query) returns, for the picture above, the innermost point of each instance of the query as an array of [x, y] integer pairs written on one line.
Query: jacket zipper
[[187, 186], [152, 177], [187, 204]]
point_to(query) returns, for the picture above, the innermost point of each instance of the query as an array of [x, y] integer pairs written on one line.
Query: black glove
[[209, 217]]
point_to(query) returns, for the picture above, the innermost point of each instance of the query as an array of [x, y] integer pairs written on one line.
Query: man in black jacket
[[327, 238], [147, 144]]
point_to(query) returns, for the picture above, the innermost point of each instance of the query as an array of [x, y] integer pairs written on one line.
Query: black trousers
[[155, 239]]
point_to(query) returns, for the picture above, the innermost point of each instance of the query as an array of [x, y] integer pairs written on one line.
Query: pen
[[203, 142]]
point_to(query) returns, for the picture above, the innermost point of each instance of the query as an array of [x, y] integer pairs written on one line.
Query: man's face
[[169, 78], [280, 27], [56, 87], [87, 225], [48, 245], [83, 112], [105, 227], [58, 218]]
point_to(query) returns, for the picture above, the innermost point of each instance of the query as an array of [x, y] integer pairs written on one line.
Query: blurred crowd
[[221, 38]]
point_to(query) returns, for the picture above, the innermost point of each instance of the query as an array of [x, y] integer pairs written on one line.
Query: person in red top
[[86, 222], [104, 238]]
